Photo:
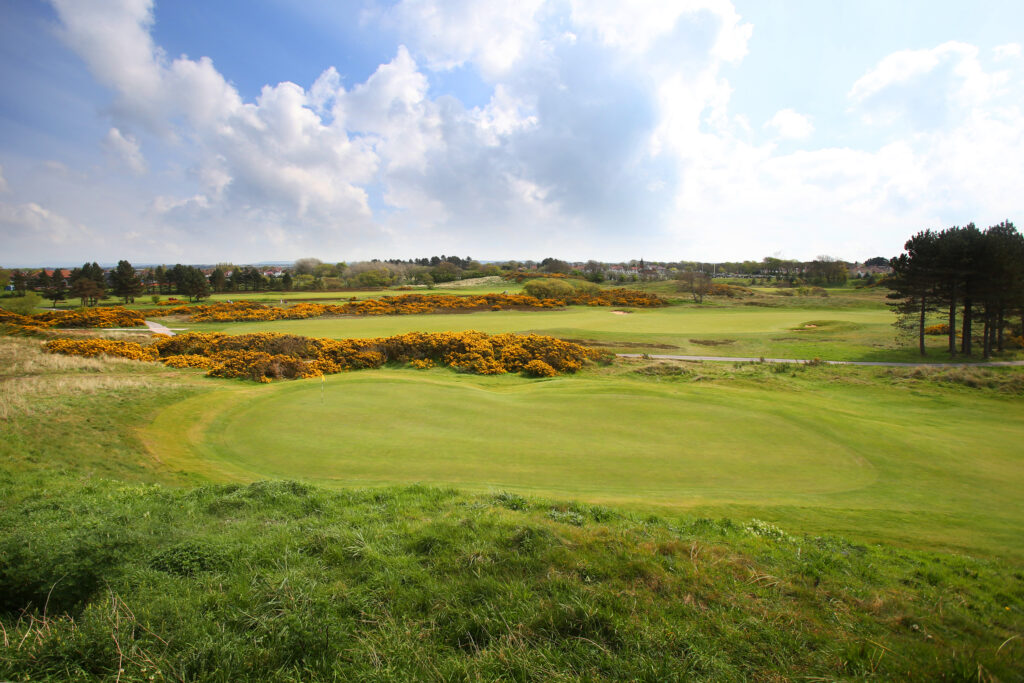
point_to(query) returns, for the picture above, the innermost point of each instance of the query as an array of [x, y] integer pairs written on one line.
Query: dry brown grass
[[27, 373]]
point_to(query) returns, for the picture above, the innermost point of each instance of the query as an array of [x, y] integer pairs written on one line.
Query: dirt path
[[882, 364]]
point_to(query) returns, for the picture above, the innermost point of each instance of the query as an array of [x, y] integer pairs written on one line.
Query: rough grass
[[282, 581], [79, 415], [28, 376]]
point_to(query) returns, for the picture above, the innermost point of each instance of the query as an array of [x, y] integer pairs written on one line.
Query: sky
[[202, 131]]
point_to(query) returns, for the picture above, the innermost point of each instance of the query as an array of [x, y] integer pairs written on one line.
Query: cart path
[[882, 364], [157, 328]]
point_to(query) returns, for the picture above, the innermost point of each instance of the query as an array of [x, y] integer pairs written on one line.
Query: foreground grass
[[281, 581]]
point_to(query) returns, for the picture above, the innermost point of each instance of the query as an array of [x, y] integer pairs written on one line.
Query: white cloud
[[493, 36], [32, 223], [926, 88], [3, 181], [638, 26], [125, 149], [790, 125], [1007, 51], [604, 119]]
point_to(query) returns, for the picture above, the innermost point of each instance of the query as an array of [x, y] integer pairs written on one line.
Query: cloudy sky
[[203, 131]]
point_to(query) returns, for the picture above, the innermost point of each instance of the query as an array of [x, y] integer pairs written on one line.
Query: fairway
[[932, 470], [830, 333]]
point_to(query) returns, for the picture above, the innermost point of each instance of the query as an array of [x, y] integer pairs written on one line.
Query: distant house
[[64, 273]]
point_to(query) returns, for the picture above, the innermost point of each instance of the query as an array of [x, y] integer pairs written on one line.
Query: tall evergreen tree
[[55, 289], [125, 282], [915, 283], [20, 282], [217, 279], [193, 283]]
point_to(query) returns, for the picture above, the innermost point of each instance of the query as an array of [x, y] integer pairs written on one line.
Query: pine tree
[[125, 282]]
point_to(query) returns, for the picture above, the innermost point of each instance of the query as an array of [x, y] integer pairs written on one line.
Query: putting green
[[863, 459], [551, 436]]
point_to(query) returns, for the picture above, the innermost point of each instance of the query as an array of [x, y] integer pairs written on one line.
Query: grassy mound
[[281, 581]]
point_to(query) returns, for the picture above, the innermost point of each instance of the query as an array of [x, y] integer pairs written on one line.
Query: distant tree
[[218, 281], [125, 282], [553, 265], [877, 262], [423, 277], [55, 289], [306, 266], [445, 271], [979, 275], [87, 291], [826, 271], [20, 282], [594, 271], [696, 282], [193, 283], [915, 284], [40, 281], [286, 281], [5, 278], [160, 275]]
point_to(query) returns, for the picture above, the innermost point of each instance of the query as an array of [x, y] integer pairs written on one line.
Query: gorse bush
[[106, 317], [102, 347], [411, 304], [267, 356]]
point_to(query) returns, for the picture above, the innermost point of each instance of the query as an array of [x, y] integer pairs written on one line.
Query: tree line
[[975, 277], [91, 282]]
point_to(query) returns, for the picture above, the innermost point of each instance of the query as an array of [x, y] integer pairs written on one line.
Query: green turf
[[106, 575], [851, 452], [791, 332]]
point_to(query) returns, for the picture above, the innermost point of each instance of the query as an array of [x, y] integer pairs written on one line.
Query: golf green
[[931, 469]]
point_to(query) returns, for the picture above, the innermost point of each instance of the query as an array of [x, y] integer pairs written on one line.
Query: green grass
[[603, 526], [285, 582], [860, 451], [857, 333]]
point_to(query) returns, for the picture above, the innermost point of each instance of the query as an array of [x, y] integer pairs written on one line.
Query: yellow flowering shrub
[[101, 347], [189, 360], [265, 356], [105, 316], [409, 304], [538, 368]]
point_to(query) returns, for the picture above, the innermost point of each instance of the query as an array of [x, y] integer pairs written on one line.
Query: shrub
[[266, 356], [24, 305], [101, 347], [580, 293], [538, 368], [937, 330]]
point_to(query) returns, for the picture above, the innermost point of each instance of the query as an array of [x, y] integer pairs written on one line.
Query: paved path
[[732, 359], [157, 328]]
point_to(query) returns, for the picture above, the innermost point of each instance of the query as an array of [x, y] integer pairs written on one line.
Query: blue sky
[[699, 130]]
